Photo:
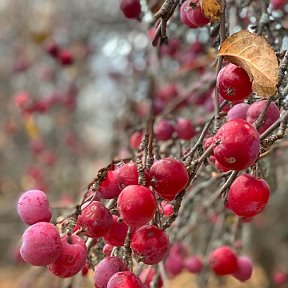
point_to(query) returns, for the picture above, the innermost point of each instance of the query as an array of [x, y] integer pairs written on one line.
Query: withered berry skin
[[236, 145], [248, 195]]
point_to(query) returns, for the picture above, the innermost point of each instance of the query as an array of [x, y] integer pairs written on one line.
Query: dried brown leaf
[[211, 9], [256, 57]]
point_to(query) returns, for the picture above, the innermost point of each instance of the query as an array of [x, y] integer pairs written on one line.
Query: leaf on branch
[[211, 9], [256, 57]]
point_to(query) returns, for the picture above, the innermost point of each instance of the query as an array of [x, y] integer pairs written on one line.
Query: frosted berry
[[248, 195], [131, 8], [244, 269], [195, 14], [116, 233], [223, 261], [168, 177], [41, 244], [271, 116], [95, 220], [105, 269], [149, 244], [109, 187], [236, 145], [194, 264], [164, 130], [136, 205], [233, 83], [184, 129], [125, 279], [33, 207], [72, 257], [239, 111]]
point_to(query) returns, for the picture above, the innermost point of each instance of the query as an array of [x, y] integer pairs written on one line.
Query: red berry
[[95, 220], [280, 278], [52, 48], [33, 207], [236, 145], [271, 116], [117, 233], [41, 244], [168, 210], [107, 250], [105, 269], [109, 187], [65, 57], [278, 4], [223, 261], [183, 15], [149, 244], [195, 14], [233, 83], [131, 8], [194, 264], [72, 258], [184, 129], [244, 269], [248, 195], [136, 139], [136, 205], [168, 177], [164, 130], [125, 279], [85, 269]]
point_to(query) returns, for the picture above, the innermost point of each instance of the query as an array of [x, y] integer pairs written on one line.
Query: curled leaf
[[256, 57], [211, 9]]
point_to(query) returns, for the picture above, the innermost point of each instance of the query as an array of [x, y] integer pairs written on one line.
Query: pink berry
[[72, 257], [149, 244], [105, 269], [95, 220], [174, 264], [147, 276], [117, 233], [248, 195], [125, 279], [280, 278], [131, 8], [183, 15], [236, 145], [256, 108], [239, 111], [168, 210], [33, 207], [184, 129], [164, 130], [136, 139], [41, 244], [195, 14], [107, 250], [244, 269], [136, 205], [168, 177], [223, 261], [194, 264], [109, 187], [233, 83]]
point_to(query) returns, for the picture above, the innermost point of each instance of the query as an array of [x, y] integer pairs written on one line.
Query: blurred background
[[64, 119]]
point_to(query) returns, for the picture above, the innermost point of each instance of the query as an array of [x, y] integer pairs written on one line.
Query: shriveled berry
[[149, 244], [33, 207], [233, 83], [236, 145], [72, 257], [95, 220], [223, 261], [136, 205], [168, 177], [248, 195], [41, 244]]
